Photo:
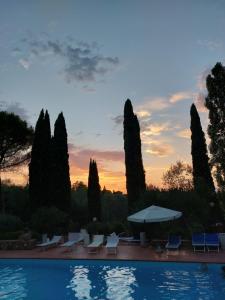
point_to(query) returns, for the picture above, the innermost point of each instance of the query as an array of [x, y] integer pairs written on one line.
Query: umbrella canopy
[[154, 214]]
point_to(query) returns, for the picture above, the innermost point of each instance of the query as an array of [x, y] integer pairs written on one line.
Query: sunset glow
[[86, 58]]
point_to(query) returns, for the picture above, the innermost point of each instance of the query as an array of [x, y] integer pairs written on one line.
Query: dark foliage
[[49, 220], [79, 203], [10, 223], [39, 168], [200, 159], [135, 174], [15, 140], [60, 174], [215, 102], [94, 192]]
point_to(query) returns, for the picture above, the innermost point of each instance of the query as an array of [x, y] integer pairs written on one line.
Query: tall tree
[[135, 174], [15, 141], [215, 102], [60, 173], [200, 161], [39, 168], [94, 192]]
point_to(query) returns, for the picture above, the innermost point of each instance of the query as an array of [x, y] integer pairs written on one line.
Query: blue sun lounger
[[212, 242], [198, 240], [173, 243]]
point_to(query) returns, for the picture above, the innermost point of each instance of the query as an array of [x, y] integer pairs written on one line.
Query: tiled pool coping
[[125, 252]]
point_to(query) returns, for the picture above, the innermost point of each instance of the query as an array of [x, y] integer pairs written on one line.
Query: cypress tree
[[94, 192], [39, 164], [135, 174], [60, 176], [200, 159], [215, 102]]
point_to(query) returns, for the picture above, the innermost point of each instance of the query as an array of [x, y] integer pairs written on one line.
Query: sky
[[85, 58]]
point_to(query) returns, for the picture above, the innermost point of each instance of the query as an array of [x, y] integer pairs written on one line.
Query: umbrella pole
[[143, 236]]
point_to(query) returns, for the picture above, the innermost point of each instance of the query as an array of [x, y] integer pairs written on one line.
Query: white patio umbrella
[[153, 214]]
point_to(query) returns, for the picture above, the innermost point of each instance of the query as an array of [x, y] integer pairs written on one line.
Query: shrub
[[9, 223], [14, 235], [97, 228], [116, 227], [49, 220]]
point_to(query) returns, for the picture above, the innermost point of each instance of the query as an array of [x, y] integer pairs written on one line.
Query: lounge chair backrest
[[56, 238], [44, 237], [73, 236], [98, 238], [112, 239], [113, 234], [212, 237], [174, 239], [83, 232], [198, 237]]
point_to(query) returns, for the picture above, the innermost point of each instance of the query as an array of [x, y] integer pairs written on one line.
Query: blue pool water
[[114, 280]]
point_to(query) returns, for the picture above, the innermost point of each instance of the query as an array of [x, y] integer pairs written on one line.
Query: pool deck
[[125, 252]]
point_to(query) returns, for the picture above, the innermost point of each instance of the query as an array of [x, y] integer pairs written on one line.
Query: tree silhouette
[[215, 102], [135, 174], [15, 141], [39, 168], [60, 175], [94, 192], [202, 177]]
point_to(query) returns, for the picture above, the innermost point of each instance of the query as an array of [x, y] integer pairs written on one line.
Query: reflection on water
[[197, 284], [120, 282], [105, 282], [13, 284], [174, 282], [80, 283]]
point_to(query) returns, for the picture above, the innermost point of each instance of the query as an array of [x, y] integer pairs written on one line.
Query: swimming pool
[[39, 279]]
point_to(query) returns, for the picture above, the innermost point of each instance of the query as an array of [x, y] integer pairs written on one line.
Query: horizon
[[58, 56]]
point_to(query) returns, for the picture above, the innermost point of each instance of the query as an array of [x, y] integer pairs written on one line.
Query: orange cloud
[[180, 96], [185, 133], [154, 104], [155, 129], [160, 149]]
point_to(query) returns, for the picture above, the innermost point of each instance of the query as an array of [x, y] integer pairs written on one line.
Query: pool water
[[101, 279]]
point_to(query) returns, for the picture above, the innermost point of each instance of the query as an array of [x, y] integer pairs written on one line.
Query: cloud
[[88, 89], [16, 108], [82, 62], [180, 96], [24, 63], [81, 156], [185, 133], [118, 120], [143, 114], [154, 104], [160, 149], [201, 79], [211, 45], [155, 129]]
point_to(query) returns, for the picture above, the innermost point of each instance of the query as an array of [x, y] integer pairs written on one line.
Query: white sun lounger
[[86, 237], [52, 243], [112, 243], [96, 243], [73, 239]]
